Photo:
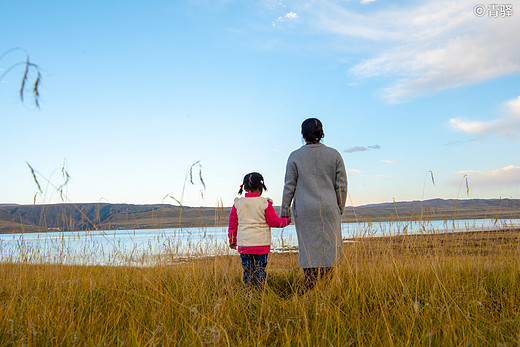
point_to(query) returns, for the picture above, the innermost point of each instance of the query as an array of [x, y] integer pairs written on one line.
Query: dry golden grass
[[452, 289]]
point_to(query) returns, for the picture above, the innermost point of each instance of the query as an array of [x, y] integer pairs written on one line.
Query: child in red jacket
[[250, 223]]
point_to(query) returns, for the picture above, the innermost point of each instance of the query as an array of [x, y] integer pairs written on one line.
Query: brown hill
[[88, 216]]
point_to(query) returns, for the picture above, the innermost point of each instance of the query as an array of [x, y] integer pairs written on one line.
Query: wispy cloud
[[425, 47], [361, 148], [458, 142], [362, 174], [291, 15], [508, 125], [288, 16], [367, 1], [506, 176], [388, 161], [355, 149]]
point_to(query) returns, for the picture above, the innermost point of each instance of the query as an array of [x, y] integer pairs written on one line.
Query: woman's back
[[317, 169], [316, 184]]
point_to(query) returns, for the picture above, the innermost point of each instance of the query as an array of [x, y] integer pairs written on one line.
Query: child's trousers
[[254, 269]]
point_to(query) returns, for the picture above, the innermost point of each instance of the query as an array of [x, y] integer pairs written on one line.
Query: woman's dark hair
[[253, 182], [312, 130]]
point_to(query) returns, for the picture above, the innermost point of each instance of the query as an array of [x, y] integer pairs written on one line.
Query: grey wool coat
[[316, 185]]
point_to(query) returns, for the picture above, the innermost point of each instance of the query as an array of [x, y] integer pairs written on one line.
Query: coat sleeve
[[341, 183], [291, 177], [233, 226], [273, 220]]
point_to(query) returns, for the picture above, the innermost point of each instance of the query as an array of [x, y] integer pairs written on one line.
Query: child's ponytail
[[253, 182]]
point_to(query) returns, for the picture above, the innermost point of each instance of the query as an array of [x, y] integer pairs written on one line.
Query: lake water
[[148, 247]]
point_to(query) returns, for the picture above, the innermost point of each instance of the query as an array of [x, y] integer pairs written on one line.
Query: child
[[250, 223]]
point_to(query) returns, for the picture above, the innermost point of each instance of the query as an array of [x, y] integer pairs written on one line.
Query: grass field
[[448, 289]]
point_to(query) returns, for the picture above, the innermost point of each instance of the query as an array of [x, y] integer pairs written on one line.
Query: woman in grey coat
[[316, 185]]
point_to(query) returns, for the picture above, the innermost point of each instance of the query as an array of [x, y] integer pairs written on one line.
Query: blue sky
[[133, 93]]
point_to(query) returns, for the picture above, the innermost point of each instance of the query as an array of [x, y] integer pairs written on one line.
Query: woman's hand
[[233, 246]]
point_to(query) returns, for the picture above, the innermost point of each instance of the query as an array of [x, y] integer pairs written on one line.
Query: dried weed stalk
[[29, 66]]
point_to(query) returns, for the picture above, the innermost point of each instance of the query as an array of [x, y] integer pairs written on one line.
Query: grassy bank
[[451, 289]]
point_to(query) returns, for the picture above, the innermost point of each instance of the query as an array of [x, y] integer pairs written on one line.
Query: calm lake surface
[[148, 247]]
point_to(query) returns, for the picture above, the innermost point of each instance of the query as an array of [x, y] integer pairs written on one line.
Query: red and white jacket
[[250, 223]]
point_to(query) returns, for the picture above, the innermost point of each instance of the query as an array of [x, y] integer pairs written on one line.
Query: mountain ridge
[[89, 216]]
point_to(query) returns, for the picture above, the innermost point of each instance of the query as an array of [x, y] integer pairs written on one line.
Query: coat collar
[[312, 145]]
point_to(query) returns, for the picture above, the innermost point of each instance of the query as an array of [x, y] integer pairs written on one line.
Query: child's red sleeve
[[233, 226], [272, 218]]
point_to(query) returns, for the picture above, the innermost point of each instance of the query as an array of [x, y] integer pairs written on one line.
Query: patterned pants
[[313, 274], [254, 270]]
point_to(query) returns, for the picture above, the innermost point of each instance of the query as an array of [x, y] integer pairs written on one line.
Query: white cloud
[[353, 171], [423, 48], [508, 125], [506, 176], [288, 16], [364, 2], [388, 161]]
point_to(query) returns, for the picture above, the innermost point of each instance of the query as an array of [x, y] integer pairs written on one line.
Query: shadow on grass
[[286, 283]]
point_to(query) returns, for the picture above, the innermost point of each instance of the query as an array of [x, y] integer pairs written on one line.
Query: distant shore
[[103, 216]]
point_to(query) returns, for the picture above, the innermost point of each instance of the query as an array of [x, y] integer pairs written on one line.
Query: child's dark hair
[[253, 182], [312, 130]]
